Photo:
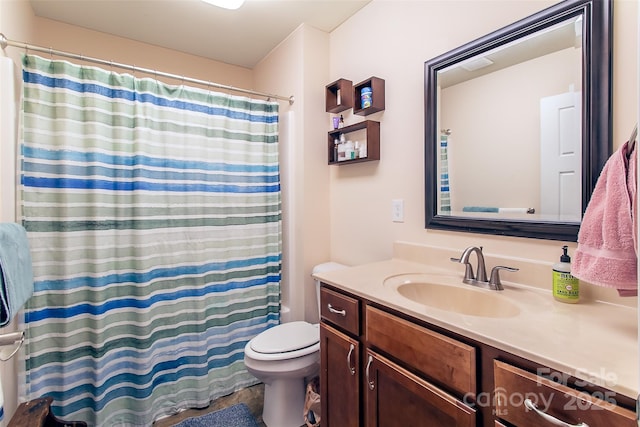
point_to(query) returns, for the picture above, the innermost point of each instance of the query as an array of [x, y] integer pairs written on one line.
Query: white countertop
[[592, 340]]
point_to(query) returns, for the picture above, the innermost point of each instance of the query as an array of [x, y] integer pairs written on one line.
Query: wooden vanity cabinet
[[383, 368], [361, 385]]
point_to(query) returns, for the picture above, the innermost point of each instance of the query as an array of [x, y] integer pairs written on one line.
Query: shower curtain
[[445, 189], [154, 218]]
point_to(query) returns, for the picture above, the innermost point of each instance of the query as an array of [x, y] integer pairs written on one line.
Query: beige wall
[[344, 212], [299, 66], [391, 40]]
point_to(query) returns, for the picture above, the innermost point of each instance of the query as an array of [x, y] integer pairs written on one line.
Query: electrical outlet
[[397, 210]]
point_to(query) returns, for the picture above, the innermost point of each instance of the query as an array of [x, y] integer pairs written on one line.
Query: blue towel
[[479, 209], [17, 274]]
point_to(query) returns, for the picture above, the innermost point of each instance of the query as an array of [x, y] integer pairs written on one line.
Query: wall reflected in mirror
[[510, 129]]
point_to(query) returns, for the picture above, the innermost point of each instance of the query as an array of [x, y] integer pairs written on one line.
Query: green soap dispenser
[[566, 288]]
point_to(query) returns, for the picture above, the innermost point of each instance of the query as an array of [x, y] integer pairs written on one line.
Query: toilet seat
[[285, 341]]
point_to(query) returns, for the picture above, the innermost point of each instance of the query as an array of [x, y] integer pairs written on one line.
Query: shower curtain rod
[[4, 42]]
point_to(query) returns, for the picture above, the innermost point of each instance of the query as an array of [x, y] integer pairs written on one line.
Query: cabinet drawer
[[442, 359], [340, 310], [513, 386]]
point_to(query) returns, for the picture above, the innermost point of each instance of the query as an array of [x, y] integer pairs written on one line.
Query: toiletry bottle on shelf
[[341, 148], [365, 97], [341, 121], [363, 150], [336, 143], [349, 150], [336, 122], [566, 288]]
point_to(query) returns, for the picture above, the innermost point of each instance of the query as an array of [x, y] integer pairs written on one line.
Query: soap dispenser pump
[[566, 288]]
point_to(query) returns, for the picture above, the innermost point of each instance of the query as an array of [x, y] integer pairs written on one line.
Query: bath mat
[[237, 415]]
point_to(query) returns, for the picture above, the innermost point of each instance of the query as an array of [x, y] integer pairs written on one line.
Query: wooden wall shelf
[[377, 96], [339, 96], [372, 129]]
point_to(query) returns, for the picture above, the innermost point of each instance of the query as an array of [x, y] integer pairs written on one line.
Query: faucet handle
[[494, 281]]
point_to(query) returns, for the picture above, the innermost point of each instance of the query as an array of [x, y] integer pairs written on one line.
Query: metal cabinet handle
[[351, 367], [370, 383], [342, 313], [550, 418]]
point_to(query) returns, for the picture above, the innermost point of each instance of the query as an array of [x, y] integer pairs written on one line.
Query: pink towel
[[606, 254]]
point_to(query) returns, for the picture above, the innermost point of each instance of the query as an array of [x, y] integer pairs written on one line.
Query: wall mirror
[[518, 125]]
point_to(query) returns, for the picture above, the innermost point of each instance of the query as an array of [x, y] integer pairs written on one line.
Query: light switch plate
[[397, 210]]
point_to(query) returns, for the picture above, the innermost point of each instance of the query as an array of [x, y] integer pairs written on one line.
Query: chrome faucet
[[480, 279], [481, 276]]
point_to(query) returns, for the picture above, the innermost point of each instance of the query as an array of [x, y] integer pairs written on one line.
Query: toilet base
[[284, 403]]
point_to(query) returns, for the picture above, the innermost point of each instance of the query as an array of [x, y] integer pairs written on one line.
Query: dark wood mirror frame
[[596, 114]]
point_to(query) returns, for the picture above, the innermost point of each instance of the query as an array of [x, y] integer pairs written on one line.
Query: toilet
[[282, 357]]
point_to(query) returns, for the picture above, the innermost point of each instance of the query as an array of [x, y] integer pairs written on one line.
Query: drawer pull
[[553, 420], [342, 313], [369, 382], [352, 368]]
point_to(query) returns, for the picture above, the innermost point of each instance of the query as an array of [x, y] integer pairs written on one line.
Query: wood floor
[[251, 396]]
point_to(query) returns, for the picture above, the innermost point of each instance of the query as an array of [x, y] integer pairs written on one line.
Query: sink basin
[[458, 298]]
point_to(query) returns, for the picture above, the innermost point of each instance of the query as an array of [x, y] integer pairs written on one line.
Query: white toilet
[[282, 357]]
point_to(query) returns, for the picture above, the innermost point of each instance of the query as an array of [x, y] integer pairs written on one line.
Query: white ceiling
[[239, 37]]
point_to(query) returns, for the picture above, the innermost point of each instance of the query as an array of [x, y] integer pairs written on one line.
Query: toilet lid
[[286, 337]]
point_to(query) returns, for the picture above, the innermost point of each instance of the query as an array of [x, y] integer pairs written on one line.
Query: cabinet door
[[339, 379], [397, 398]]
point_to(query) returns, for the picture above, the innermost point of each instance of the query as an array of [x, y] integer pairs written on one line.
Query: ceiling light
[[227, 4], [476, 63]]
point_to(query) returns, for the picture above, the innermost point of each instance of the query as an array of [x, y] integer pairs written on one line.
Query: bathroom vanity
[[390, 359]]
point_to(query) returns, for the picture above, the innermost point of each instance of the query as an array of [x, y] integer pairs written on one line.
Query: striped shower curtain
[[154, 219], [445, 189]]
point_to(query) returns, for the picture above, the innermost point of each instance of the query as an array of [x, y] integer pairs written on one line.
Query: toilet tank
[[321, 268]]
